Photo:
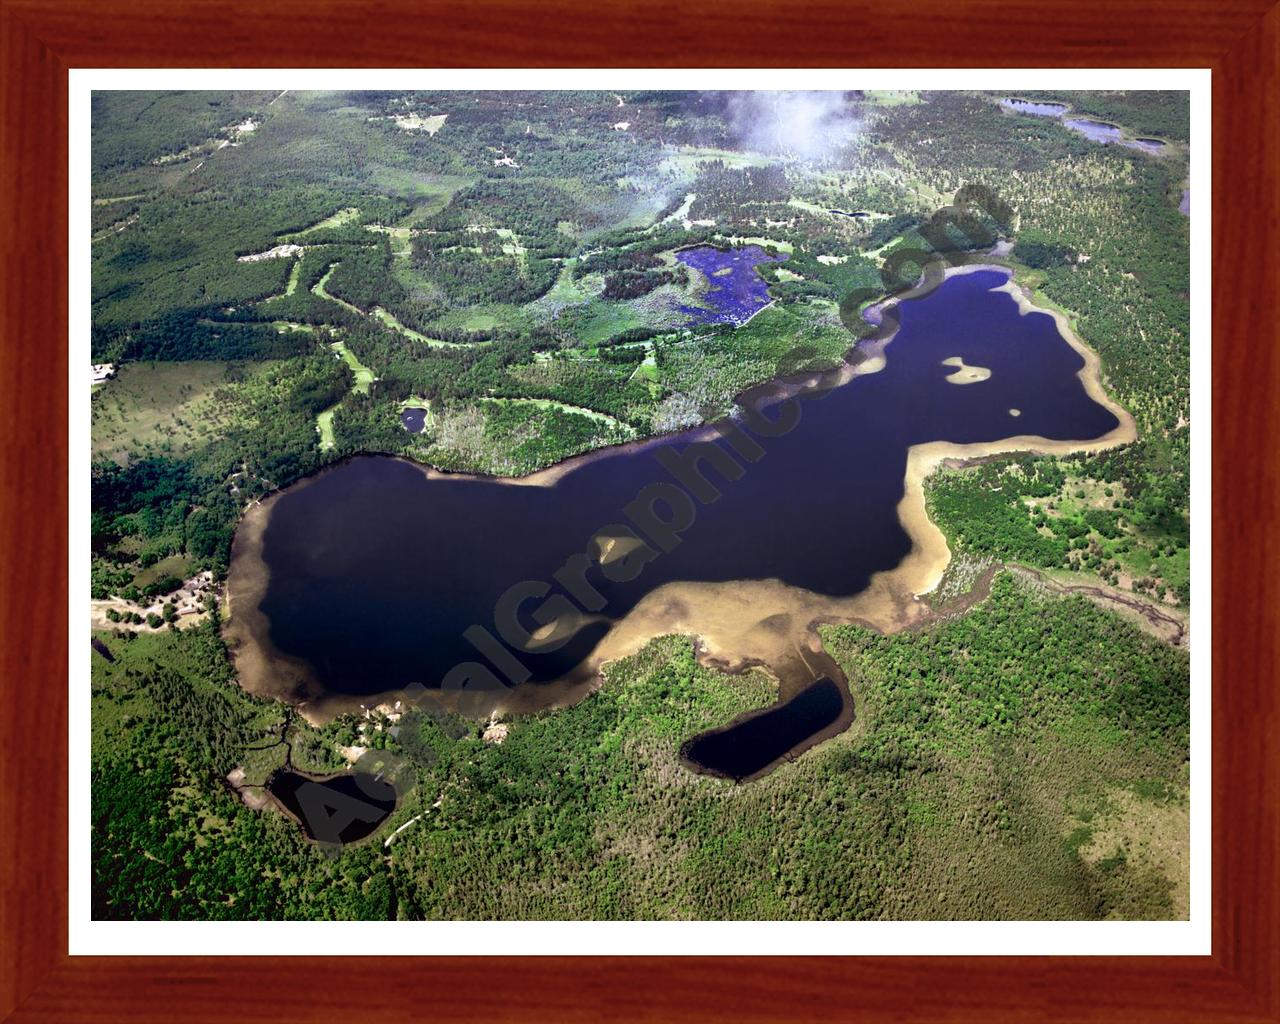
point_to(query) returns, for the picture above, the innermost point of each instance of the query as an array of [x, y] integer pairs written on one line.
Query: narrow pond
[[1032, 107], [376, 574], [1090, 128], [748, 747], [338, 809]]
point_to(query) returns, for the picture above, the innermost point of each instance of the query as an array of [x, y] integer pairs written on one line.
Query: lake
[[378, 574]]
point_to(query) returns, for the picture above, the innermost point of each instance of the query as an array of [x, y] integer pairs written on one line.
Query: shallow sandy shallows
[[766, 622], [964, 373], [739, 623], [923, 568]]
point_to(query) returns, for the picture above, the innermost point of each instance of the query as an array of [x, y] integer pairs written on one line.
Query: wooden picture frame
[[41, 39]]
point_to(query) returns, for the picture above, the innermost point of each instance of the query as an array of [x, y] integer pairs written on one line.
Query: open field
[[364, 375], [160, 405], [324, 427], [408, 332], [684, 162], [346, 215]]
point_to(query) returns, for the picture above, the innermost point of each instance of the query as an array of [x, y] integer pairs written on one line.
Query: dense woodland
[[986, 777], [276, 276]]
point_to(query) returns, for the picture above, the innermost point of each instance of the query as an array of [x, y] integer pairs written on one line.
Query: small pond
[[1145, 145], [339, 809], [413, 420], [1096, 131], [752, 744], [1031, 107]]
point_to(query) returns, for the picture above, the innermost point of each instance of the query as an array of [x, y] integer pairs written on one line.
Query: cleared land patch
[[390, 320], [364, 375], [547, 403], [344, 216], [163, 404]]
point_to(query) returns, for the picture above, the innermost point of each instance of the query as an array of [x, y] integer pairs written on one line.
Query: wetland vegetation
[[498, 284]]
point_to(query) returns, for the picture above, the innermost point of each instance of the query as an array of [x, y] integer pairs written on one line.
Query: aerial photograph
[[640, 505]]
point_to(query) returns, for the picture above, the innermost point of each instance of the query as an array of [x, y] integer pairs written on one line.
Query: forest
[[992, 773], [277, 276]]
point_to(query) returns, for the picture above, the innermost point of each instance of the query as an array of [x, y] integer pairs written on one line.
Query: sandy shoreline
[[738, 624], [726, 617], [922, 570]]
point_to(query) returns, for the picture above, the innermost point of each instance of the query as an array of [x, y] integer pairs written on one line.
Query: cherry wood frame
[[41, 39]]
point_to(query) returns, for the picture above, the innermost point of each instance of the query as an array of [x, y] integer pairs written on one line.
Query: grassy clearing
[[409, 332], [430, 124], [429, 192], [684, 161], [808, 207], [401, 238], [344, 216], [318, 289], [604, 320], [565, 292], [648, 372], [292, 285], [169, 406], [488, 317], [324, 426], [180, 566], [364, 375], [892, 97]]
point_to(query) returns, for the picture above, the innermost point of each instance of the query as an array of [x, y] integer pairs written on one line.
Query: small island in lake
[[652, 506]]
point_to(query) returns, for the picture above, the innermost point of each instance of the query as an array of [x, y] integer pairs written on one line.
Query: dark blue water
[[748, 747], [737, 291], [413, 420], [376, 570], [341, 809]]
